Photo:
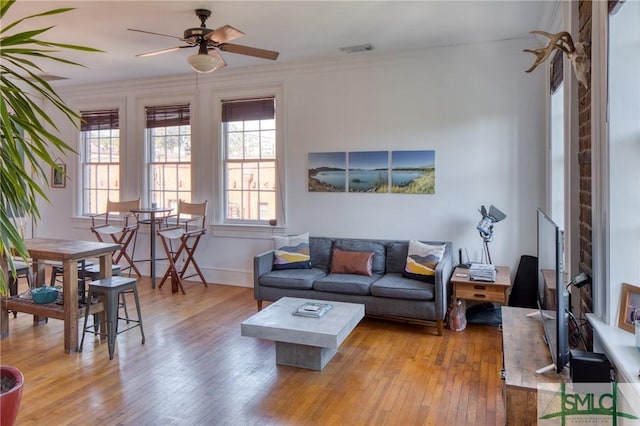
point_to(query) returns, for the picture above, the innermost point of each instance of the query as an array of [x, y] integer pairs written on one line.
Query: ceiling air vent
[[358, 48]]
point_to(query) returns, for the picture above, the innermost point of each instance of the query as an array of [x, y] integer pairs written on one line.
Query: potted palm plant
[[28, 147]]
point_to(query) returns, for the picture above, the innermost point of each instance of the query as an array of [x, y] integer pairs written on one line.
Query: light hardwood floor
[[195, 368]]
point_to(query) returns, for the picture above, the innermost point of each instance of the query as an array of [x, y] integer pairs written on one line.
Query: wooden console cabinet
[[481, 291], [524, 351]]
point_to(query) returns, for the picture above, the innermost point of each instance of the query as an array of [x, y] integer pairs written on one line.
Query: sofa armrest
[[442, 282], [262, 263]]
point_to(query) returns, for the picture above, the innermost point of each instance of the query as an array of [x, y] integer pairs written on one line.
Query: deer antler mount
[[576, 53]]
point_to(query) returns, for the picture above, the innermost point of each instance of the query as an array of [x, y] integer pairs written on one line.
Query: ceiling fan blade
[[224, 34], [161, 51], [250, 51], [152, 33]]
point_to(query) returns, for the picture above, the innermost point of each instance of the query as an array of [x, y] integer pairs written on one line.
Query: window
[[249, 156], [557, 151], [100, 158], [168, 142]]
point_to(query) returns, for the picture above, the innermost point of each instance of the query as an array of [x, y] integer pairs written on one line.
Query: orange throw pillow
[[351, 262]]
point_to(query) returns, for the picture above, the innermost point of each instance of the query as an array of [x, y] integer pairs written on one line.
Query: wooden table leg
[[70, 290], [38, 268]]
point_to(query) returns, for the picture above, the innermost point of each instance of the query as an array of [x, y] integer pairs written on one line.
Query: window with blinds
[[100, 159], [249, 157], [168, 145]]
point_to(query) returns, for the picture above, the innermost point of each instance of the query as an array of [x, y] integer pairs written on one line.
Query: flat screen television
[[554, 313]]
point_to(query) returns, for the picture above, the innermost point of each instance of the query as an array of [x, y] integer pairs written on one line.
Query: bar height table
[[152, 212], [69, 252]]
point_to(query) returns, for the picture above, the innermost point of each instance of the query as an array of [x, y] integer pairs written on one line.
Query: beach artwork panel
[[369, 171], [413, 172], [327, 172]]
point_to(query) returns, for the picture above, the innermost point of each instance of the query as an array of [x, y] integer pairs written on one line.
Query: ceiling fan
[[209, 42]]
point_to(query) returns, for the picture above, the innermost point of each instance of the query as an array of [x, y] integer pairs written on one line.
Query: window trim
[[95, 119], [178, 108], [141, 154], [74, 168], [219, 226]]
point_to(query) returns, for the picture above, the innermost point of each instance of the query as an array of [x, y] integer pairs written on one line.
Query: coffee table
[[301, 341]]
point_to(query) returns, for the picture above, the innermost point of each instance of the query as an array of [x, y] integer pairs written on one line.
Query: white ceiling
[[299, 30]]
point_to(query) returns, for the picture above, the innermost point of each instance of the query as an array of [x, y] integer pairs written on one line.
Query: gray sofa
[[387, 293]]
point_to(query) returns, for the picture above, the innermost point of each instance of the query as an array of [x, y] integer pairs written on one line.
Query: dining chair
[[185, 228], [121, 225]]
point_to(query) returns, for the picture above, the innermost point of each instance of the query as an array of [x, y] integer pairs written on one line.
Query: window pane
[[234, 176], [235, 126], [252, 145], [184, 178], [249, 176], [268, 124], [235, 146], [251, 125], [268, 144], [267, 177], [267, 205]]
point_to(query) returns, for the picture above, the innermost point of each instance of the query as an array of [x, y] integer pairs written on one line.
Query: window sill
[[260, 232], [246, 231], [619, 346]]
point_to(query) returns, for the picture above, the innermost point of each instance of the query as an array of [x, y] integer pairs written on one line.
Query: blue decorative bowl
[[43, 295]]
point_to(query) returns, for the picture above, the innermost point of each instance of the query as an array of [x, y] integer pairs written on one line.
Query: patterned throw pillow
[[291, 252], [422, 260]]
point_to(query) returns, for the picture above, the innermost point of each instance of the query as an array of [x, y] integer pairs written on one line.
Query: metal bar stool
[[22, 269], [93, 273], [57, 269], [109, 290]]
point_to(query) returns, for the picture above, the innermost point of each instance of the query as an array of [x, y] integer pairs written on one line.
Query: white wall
[[474, 105]]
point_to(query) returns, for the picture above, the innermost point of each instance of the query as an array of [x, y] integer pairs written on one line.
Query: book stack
[[482, 272], [313, 310]]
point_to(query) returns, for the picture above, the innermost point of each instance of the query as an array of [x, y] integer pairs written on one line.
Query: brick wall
[[584, 161]]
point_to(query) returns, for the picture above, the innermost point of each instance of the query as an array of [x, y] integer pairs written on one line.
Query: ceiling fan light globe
[[203, 63]]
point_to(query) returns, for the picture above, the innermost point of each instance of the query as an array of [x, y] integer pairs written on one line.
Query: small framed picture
[[629, 307], [58, 176]]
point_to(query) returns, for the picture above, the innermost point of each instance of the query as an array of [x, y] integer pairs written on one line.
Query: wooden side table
[[497, 291]]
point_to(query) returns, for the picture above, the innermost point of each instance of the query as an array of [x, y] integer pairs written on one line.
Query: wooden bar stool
[[119, 232], [109, 290], [190, 226]]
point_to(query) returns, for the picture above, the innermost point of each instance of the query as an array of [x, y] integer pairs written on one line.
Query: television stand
[[544, 369], [524, 350], [537, 314]]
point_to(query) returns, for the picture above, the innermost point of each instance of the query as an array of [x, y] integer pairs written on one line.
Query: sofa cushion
[[365, 246], [320, 248], [396, 286], [346, 283], [292, 278], [396, 256], [422, 260], [351, 262], [291, 252]]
